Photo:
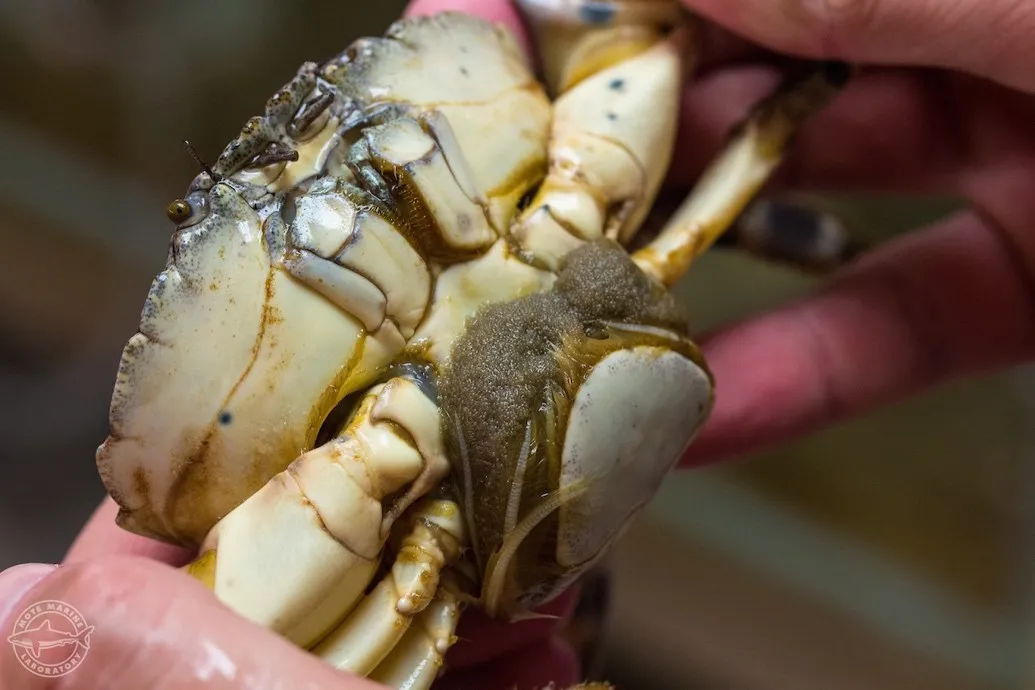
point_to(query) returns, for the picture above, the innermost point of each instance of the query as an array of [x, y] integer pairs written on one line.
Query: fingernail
[[16, 581]]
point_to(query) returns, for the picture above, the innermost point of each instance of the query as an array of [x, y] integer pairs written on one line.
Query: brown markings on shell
[[185, 501]]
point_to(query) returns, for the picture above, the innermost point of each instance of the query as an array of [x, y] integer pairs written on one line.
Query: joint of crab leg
[[610, 146], [416, 661], [730, 183], [363, 640], [436, 538], [403, 402], [298, 554]]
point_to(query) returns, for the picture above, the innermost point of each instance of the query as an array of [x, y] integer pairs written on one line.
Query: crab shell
[[251, 336]]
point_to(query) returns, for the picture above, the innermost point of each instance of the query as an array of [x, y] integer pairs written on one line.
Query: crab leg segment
[[614, 126], [298, 554], [757, 147], [407, 594], [416, 661]]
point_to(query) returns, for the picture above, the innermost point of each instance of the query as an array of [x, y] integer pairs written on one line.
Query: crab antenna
[[204, 166]]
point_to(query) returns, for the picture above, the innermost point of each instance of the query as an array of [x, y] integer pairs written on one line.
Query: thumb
[[130, 622], [988, 38]]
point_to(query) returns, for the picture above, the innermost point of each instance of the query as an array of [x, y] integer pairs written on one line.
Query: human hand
[[952, 299], [954, 118], [155, 626]]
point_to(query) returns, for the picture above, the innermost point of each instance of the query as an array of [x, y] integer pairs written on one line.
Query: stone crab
[[402, 358]]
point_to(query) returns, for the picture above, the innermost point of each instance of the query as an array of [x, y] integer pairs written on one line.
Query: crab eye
[[178, 211]]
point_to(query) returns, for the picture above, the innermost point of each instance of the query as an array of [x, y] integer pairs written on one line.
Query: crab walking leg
[[614, 124], [793, 233], [384, 617], [416, 661], [297, 555], [730, 183]]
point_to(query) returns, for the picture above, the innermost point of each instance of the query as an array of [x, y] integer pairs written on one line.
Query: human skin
[[949, 300]]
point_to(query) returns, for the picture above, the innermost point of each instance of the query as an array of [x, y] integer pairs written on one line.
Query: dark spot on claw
[[616, 84], [463, 71], [225, 417], [612, 116], [596, 12]]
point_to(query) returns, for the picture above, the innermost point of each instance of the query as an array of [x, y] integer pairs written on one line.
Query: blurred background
[[892, 552]]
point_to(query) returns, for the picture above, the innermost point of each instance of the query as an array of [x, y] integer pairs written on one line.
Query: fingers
[[955, 299], [102, 537], [989, 38], [887, 131], [502, 11], [481, 639], [152, 626], [545, 664]]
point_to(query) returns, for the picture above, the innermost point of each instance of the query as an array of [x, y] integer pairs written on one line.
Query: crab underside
[[408, 353]]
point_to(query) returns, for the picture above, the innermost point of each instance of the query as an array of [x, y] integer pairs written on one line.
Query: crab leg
[[324, 520], [726, 188], [405, 595], [415, 662], [614, 123]]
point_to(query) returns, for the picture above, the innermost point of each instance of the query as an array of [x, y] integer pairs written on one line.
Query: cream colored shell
[[436, 178]]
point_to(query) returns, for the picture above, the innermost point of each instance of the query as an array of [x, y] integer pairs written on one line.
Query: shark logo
[[50, 638], [45, 637]]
